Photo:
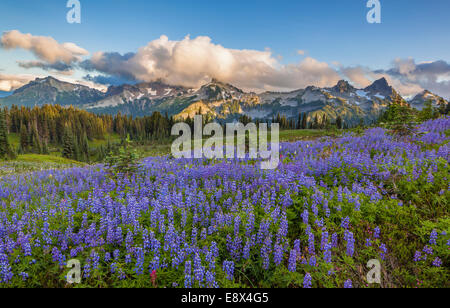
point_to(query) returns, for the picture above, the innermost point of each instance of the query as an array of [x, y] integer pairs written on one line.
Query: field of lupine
[[316, 221]]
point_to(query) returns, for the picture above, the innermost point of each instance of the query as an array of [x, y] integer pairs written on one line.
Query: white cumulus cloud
[[45, 48], [12, 82], [192, 62]]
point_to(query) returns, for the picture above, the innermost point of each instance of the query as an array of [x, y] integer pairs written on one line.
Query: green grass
[[34, 162], [35, 158], [161, 148], [155, 149], [306, 134], [103, 142]]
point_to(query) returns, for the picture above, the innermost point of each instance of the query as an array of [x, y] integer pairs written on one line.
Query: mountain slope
[[51, 91], [420, 99]]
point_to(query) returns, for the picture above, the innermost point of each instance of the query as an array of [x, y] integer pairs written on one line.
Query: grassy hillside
[[53, 159], [33, 162]]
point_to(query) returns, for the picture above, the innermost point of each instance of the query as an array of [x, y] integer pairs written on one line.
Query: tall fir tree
[[304, 121], [36, 144], [339, 122], [6, 151], [24, 140], [68, 143]]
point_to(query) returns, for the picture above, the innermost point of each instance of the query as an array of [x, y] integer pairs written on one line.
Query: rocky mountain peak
[[423, 97], [343, 87], [380, 86]]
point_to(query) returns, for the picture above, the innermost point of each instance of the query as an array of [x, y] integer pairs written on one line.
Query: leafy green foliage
[[123, 163]]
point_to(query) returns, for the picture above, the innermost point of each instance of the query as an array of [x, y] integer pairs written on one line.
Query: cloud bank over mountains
[[194, 61], [12, 82], [45, 48]]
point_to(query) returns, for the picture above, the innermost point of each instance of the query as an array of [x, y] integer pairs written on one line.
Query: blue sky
[[328, 31]]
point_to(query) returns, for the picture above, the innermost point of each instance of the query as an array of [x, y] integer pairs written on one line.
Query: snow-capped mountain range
[[219, 100]]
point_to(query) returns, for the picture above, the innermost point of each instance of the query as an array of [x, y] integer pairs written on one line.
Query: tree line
[[304, 121], [70, 130]]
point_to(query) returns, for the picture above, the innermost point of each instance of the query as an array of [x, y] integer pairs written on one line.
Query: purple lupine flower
[[246, 251], [278, 254], [121, 274], [305, 216], [210, 278], [383, 252], [313, 261], [348, 284], [377, 232], [95, 260], [237, 224], [311, 246], [292, 267], [428, 250], [327, 253], [5, 269], [139, 266], [345, 222], [297, 247], [113, 267], [228, 268], [307, 281], [87, 270], [334, 240], [128, 259], [417, 256], [433, 237], [283, 225], [265, 252], [324, 240], [23, 275], [250, 224], [187, 275], [430, 176], [116, 254], [199, 273], [437, 262], [350, 243]]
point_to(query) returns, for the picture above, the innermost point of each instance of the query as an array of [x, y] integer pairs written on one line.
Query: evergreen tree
[[316, 122], [427, 112], [84, 148], [304, 121], [68, 144], [35, 140], [5, 148], [24, 140], [323, 124], [339, 122]]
